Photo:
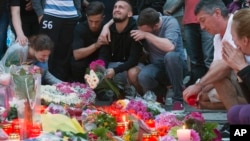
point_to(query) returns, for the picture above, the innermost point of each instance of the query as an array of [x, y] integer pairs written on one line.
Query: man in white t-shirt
[[213, 17]]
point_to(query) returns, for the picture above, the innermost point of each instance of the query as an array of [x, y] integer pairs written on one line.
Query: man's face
[[207, 22], [121, 11], [146, 28], [95, 22]]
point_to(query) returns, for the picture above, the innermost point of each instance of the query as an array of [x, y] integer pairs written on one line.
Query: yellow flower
[[126, 137], [106, 124]]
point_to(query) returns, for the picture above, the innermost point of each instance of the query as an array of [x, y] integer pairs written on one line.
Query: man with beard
[[123, 52]]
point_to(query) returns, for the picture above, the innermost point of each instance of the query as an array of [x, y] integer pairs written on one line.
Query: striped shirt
[[60, 8]]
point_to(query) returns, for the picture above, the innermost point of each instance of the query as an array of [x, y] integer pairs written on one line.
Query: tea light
[[150, 123], [146, 137], [7, 127], [120, 128], [154, 136], [35, 130], [183, 134]]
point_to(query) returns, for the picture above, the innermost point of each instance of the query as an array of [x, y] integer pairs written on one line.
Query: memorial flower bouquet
[[26, 94], [96, 79], [200, 130]]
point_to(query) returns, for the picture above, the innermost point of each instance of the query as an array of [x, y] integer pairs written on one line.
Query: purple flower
[[168, 138]]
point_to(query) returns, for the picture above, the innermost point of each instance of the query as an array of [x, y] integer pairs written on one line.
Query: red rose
[[192, 100]]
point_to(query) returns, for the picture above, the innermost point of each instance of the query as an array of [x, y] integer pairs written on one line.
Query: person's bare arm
[[16, 20], [218, 70], [162, 43], [105, 34]]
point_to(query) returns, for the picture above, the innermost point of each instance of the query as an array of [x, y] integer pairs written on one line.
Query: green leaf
[[100, 132], [24, 86], [113, 87]]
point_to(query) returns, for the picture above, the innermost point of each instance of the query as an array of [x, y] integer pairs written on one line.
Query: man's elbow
[[76, 56]]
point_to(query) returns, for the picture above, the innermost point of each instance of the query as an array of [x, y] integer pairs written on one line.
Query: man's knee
[[133, 74]]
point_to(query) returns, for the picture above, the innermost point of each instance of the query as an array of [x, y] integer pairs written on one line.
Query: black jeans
[[60, 30]]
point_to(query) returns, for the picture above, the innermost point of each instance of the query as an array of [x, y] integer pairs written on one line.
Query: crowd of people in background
[[150, 45]]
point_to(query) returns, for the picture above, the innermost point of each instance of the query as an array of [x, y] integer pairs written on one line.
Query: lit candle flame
[[124, 118]]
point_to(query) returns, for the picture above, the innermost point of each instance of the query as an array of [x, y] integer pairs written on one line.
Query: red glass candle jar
[[7, 127], [146, 137], [150, 123], [120, 128]]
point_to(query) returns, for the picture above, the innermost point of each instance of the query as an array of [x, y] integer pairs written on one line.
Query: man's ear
[[130, 14], [245, 40], [217, 11]]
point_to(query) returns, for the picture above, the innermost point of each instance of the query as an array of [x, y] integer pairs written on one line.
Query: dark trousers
[[60, 30]]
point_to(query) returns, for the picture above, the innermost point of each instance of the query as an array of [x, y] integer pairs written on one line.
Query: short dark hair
[[41, 42], [129, 3], [95, 8], [209, 6], [148, 16]]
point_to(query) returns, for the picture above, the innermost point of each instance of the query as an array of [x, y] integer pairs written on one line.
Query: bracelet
[[198, 82]]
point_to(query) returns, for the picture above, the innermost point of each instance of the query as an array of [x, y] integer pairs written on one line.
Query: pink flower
[[95, 64], [194, 135], [167, 119], [218, 135], [195, 115]]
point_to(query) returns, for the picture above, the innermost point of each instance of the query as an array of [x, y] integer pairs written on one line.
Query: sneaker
[[225, 130], [178, 107]]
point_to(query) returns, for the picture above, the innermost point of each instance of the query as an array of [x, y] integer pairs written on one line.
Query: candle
[[146, 137], [183, 134], [35, 130], [120, 128], [150, 123], [124, 118], [154, 136], [7, 127]]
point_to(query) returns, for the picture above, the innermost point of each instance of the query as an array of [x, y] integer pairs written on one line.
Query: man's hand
[[105, 35], [110, 73], [40, 18], [137, 34], [233, 57], [191, 90]]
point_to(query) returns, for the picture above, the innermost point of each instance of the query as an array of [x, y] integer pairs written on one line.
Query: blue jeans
[[4, 21], [170, 71], [119, 77]]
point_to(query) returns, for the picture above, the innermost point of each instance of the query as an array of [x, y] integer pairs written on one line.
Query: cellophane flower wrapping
[[96, 73], [26, 82]]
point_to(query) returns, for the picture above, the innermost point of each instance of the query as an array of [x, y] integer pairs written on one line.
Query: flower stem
[[112, 87]]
